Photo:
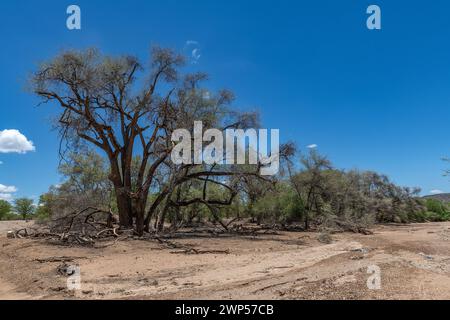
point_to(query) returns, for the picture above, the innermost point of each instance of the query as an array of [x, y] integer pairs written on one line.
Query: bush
[[434, 211], [434, 205], [11, 217], [5, 209], [280, 206], [42, 214]]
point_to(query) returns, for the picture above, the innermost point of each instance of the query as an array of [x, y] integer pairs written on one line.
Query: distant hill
[[445, 197]]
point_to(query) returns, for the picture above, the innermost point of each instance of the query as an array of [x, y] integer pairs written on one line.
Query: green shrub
[[5, 209], [434, 205], [436, 210], [11, 217], [293, 208]]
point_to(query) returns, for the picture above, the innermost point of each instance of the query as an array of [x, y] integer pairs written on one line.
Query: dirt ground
[[414, 263]]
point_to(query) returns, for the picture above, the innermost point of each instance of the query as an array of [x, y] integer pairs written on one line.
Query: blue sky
[[377, 100]]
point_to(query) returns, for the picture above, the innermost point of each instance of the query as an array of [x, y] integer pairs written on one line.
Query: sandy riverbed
[[414, 261]]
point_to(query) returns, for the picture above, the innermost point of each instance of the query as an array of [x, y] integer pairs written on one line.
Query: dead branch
[[59, 259], [18, 234], [195, 251], [112, 230]]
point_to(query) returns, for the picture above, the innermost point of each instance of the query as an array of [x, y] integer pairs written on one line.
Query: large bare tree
[[129, 111]]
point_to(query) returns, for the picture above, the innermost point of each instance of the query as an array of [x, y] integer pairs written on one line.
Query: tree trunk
[[147, 221], [140, 224], [162, 217], [123, 198], [124, 207], [140, 212], [152, 210]]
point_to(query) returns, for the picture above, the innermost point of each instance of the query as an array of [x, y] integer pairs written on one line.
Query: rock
[[153, 283], [10, 235], [325, 238], [361, 250], [427, 257], [64, 269]]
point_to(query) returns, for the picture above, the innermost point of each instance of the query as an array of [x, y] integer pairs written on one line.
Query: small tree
[[24, 207], [43, 210], [5, 209], [309, 182]]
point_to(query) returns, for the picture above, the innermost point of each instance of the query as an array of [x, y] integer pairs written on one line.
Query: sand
[[414, 263]]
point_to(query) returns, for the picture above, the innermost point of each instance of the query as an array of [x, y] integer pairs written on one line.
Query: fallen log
[[58, 259]]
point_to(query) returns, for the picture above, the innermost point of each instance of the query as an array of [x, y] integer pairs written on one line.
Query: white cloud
[[312, 146], [436, 191], [191, 42], [6, 196], [7, 189], [6, 192], [12, 141]]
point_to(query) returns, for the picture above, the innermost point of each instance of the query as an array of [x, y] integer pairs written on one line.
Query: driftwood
[[195, 251], [59, 259], [97, 228], [355, 228], [18, 234], [22, 233], [184, 249], [170, 244], [112, 230], [78, 228], [82, 228]]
